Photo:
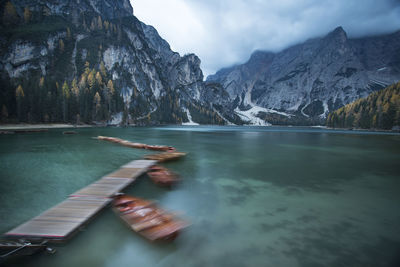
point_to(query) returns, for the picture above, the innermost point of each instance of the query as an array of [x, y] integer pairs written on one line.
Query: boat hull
[[147, 219]]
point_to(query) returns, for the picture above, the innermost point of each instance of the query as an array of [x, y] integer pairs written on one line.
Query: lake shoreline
[[42, 126], [27, 126], [362, 130]]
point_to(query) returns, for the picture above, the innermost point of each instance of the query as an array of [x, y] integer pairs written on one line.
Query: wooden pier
[[60, 222]]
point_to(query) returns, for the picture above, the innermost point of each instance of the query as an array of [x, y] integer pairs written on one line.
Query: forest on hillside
[[61, 73], [64, 92], [379, 110]]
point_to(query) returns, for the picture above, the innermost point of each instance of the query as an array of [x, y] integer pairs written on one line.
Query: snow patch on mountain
[[250, 116], [191, 122]]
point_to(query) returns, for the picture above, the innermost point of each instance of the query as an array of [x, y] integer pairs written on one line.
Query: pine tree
[[27, 15], [97, 105], [82, 81], [20, 95], [65, 101], [110, 87], [92, 26], [380, 109], [4, 113], [103, 69], [41, 82], [65, 90], [61, 45], [84, 25], [68, 33], [10, 15], [87, 68], [74, 88], [99, 23], [99, 79], [19, 92], [106, 25], [90, 78]]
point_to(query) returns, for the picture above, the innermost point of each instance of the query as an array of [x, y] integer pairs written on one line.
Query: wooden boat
[[136, 145], [10, 248], [160, 148], [110, 139], [162, 176], [166, 156], [145, 218], [70, 132]]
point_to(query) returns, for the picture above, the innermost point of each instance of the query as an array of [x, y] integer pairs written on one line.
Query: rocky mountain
[[86, 61], [303, 83], [94, 61]]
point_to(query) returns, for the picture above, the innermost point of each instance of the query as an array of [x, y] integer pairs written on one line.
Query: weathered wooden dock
[[60, 222]]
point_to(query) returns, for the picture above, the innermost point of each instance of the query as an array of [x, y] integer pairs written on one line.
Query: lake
[[256, 196]]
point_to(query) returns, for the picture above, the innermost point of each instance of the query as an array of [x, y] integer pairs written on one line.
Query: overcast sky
[[226, 32]]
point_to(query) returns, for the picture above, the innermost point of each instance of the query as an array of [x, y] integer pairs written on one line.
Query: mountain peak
[[338, 32]]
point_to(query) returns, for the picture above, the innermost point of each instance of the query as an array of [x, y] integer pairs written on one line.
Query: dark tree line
[[380, 110], [65, 93], [92, 98]]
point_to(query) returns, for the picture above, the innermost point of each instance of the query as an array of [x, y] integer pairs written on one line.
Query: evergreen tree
[[61, 45], [97, 106], [74, 101], [82, 81], [91, 78], [41, 82], [68, 33], [10, 15], [27, 15], [106, 25], [65, 102], [99, 79], [103, 69], [379, 110], [20, 95], [99, 23], [74, 88], [110, 87], [4, 113]]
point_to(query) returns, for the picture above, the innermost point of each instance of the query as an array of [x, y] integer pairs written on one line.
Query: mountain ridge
[[94, 61], [312, 78]]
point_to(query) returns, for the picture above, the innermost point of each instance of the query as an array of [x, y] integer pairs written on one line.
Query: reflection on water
[[256, 196]]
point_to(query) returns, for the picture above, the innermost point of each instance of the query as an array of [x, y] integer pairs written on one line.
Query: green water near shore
[[255, 196]]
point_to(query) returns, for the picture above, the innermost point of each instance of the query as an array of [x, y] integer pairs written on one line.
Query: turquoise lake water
[[255, 196]]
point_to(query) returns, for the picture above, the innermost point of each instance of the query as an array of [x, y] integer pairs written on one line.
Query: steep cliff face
[[88, 61], [304, 82]]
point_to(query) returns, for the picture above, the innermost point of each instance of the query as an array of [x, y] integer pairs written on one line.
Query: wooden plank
[[44, 229], [113, 180], [100, 190], [142, 163], [64, 219], [50, 218], [61, 220], [127, 173]]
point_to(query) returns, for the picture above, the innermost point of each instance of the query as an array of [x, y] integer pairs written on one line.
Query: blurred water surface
[[256, 196]]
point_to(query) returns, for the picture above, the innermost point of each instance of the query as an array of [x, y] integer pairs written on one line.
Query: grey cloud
[[235, 28]]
